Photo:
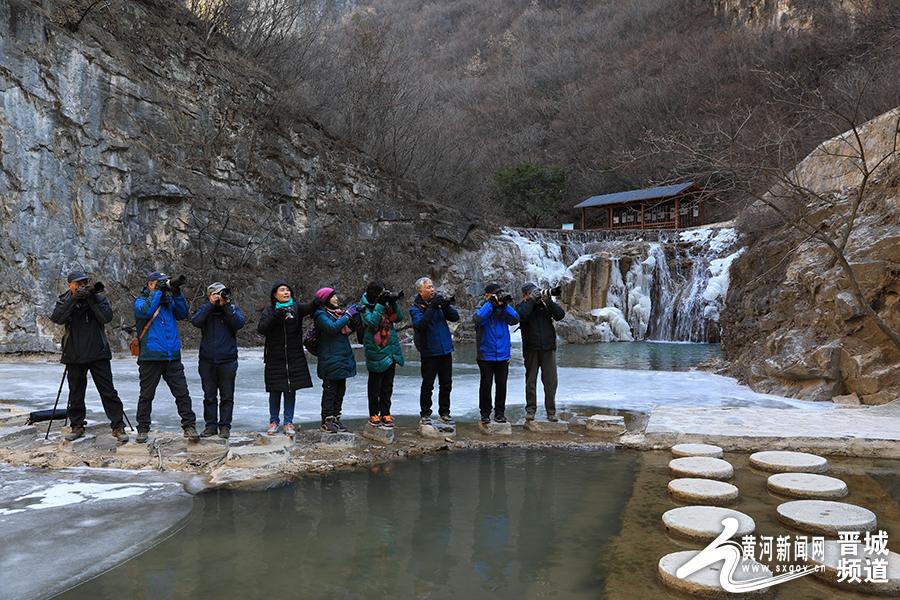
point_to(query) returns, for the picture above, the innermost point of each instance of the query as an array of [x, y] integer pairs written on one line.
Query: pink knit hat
[[324, 294]]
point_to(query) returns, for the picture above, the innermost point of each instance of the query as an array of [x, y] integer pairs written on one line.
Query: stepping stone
[[705, 582], [708, 450], [706, 491], [494, 428], [382, 435], [436, 431], [256, 456], [207, 446], [831, 560], [705, 522], [806, 485], [573, 419], [337, 440], [701, 466], [605, 424], [826, 517], [781, 461], [82, 443], [550, 427]]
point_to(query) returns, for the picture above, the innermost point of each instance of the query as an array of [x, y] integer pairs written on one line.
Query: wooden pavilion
[[665, 207]]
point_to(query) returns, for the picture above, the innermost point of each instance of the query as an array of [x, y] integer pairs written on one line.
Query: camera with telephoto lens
[[167, 285], [554, 291], [390, 297], [503, 297], [225, 294], [445, 300], [98, 287]]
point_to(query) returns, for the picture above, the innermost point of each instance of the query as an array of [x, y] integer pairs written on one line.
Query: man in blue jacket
[[429, 313], [492, 321], [220, 319], [162, 304]]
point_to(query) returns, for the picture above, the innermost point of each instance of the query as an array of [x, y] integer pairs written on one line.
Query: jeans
[[381, 386], [218, 391], [290, 399], [101, 373], [442, 367], [173, 373], [492, 372], [545, 361], [333, 397]]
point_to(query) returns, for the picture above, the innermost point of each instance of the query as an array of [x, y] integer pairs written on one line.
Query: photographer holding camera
[[429, 313], [84, 311], [157, 312], [537, 312], [492, 321], [380, 310], [219, 319]]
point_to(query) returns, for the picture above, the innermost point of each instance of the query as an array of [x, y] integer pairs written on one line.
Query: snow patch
[[75, 492]]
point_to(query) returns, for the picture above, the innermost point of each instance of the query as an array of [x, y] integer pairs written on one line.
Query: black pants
[[493, 372], [381, 386], [173, 372], [545, 362], [442, 367], [333, 397], [101, 373], [218, 391]]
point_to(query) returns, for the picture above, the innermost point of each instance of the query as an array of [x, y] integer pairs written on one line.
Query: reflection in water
[[498, 523]]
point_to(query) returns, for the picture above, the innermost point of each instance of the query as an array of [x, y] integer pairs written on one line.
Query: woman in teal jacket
[[336, 362], [381, 309]]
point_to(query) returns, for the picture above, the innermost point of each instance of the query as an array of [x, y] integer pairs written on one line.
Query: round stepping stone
[[779, 461], [704, 522], [807, 485], [706, 491], [701, 466], [826, 517], [681, 450], [705, 582], [830, 574]]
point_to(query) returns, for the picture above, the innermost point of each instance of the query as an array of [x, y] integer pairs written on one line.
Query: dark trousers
[[173, 373], [442, 367], [493, 372], [333, 397], [545, 361], [381, 386], [218, 391], [101, 373]]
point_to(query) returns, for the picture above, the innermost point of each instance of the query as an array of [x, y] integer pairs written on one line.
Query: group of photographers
[[85, 310]]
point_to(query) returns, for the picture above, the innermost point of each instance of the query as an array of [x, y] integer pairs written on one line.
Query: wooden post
[[677, 210], [702, 221], [609, 217], [642, 215], [582, 219]]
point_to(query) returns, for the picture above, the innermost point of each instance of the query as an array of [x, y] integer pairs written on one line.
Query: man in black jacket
[[537, 312], [84, 311], [220, 319]]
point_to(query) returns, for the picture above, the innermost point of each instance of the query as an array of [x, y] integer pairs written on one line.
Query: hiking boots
[[289, 429], [425, 421], [273, 428], [340, 426], [553, 418], [447, 420], [191, 434], [120, 435], [328, 425], [500, 419], [209, 431], [529, 417], [224, 432], [485, 420], [375, 421], [142, 437], [387, 421], [77, 432]]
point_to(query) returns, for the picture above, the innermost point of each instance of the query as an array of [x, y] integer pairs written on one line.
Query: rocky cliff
[[791, 325], [132, 145]]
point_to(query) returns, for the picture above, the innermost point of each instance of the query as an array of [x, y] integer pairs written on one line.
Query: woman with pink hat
[[336, 362]]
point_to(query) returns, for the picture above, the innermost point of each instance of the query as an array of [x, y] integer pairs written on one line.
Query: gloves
[[82, 293], [383, 298], [351, 311], [176, 285], [165, 299], [436, 302]]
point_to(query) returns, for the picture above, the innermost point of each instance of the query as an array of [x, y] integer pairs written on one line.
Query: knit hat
[[157, 276], [76, 276], [374, 290], [529, 288], [492, 288], [324, 294], [215, 288]]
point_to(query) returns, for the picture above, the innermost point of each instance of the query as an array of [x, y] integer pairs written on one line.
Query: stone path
[[826, 517], [705, 522], [830, 574], [708, 450], [780, 461], [701, 466], [807, 486], [703, 491], [705, 582]]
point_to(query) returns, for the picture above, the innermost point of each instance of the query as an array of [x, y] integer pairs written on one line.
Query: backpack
[[311, 340]]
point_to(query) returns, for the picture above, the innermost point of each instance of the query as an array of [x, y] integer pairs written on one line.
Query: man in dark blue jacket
[[492, 321], [220, 319], [429, 313], [162, 304]]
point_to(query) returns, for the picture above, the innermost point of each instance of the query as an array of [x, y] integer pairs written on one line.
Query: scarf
[[382, 335], [337, 313], [287, 304]]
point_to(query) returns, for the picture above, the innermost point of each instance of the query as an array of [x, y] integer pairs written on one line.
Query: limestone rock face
[[133, 145], [791, 325]]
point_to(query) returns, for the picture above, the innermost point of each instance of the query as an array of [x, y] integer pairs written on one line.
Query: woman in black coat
[[286, 370]]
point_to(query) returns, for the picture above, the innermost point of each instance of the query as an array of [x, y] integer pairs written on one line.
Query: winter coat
[[220, 324], [286, 369], [336, 359], [85, 340], [433, 336], [538, 331], [492, 330], [380, 358], [162, 341]]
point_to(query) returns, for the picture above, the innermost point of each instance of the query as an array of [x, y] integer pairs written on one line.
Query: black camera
[[389, 297], [167, 285], [554, 291], [98, 287], [225, 294]]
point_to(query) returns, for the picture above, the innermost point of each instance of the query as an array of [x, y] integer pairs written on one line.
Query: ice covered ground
[[35, 384], [62, 527]]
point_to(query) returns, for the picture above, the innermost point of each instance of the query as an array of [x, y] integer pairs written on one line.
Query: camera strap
[[150, 322]]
